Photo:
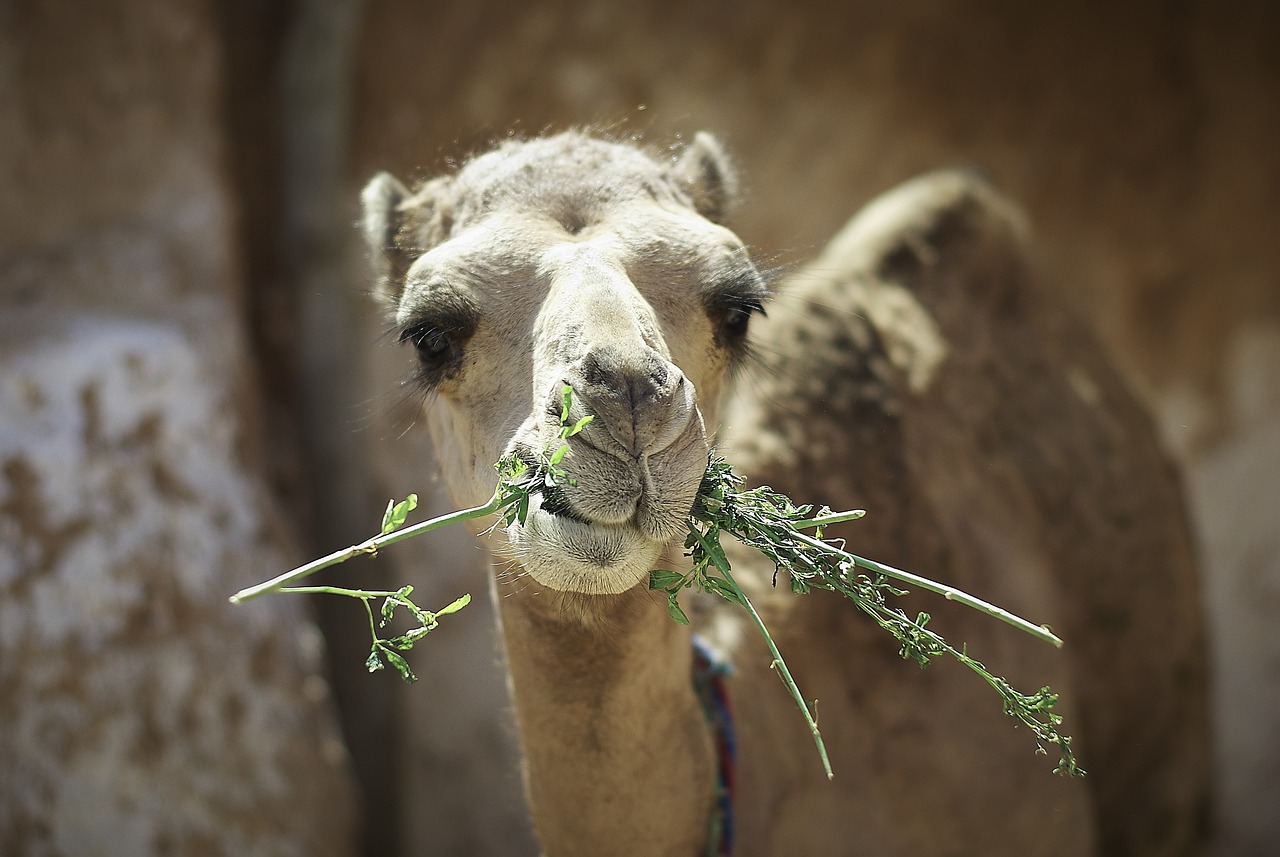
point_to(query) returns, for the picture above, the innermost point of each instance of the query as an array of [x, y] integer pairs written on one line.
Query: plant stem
[[948, 592], [778, 663], [829, 519], [373, 625], [365, 594], [369, 547]]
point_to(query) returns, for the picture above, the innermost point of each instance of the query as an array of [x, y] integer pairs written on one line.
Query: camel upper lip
[[644, 513], [552, 499]]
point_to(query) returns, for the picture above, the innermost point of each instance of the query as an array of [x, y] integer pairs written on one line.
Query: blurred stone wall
[[140, 713], [187, 348]]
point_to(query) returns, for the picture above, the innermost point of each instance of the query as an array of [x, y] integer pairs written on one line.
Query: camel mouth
[[603, 489], [600, 525], [554, 502], [564, 551], [552, 499]]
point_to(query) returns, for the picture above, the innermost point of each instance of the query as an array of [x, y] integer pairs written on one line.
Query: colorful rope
[[709, 681]]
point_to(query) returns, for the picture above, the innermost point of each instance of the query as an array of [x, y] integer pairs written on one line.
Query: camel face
[[578, 263]]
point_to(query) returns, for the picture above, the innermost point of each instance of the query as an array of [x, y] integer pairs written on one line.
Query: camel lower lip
[[566, 554], [590, 542]]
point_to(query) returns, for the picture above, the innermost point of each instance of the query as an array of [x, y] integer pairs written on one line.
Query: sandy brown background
[[179, 195]]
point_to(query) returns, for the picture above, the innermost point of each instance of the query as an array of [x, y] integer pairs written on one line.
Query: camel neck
[[616, 743]]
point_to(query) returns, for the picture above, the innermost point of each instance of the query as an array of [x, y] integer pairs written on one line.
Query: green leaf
[[455, 605], [388, 611], [579, 426], [660, 578], [510, 468], [405, 642], [374, 663], [566, 401], [674, 611], [723, 589], [401, 665], [396, 514], [558, 455], [711, 542]]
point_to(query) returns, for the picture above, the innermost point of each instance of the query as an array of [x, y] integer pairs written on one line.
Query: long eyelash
[[417, 332], [755, 304]]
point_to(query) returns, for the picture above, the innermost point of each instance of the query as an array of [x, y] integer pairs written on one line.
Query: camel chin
[[570, 555]]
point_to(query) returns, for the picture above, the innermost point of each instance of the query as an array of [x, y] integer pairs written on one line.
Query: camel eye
[[730, 305], [735, 319], [436, 348], [439, 329]]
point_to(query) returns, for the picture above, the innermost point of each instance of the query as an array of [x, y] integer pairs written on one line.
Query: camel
[[919, 368]]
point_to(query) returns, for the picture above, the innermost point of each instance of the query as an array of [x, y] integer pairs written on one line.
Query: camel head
[[572, 261]]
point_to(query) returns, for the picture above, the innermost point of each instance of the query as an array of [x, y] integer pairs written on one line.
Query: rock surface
[[143, 714]]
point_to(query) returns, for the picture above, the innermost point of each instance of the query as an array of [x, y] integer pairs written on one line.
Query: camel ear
[[705, 173], [384, 219]]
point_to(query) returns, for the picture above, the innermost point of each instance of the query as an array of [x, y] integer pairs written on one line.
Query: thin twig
[[780, 666], [369, 547], [950, 593]]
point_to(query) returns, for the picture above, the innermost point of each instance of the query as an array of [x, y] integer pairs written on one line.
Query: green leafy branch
[[389, 649], [760, 518], [770, 523], [517, 481]]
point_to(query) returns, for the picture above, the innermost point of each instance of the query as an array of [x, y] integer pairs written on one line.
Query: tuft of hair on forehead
[[568, 172], [573, 176], [577, 171]]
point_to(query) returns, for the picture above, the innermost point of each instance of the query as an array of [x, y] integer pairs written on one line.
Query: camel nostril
[[640, 374], [634, 393], [641, 391], [592, 370]]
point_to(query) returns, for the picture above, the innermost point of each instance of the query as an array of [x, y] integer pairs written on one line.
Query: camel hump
[[948, 229], [866, 324], [926, 368]]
